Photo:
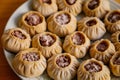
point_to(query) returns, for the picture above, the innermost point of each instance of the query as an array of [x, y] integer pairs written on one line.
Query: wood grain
[[7, 7]]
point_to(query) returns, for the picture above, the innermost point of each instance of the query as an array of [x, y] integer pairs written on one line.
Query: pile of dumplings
[[51, 38]]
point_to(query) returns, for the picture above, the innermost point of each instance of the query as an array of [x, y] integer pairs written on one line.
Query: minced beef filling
[[93, 4], [18, 34], [63, 19], [102, 46], [117, 60], [91, 23], [70, 2], [114, 17], [33, 19], [47, 1], [46, 40], [93, 67], [31, 56], [78, 39], [63, 61]]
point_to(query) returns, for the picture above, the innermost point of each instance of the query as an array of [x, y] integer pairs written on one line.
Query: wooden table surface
[[7, 7]]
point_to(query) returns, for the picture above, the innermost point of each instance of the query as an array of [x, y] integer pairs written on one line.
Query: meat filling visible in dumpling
[[31, 56], [63, 61], [18, 34], [46, 40], [93, 67], [33, 19]]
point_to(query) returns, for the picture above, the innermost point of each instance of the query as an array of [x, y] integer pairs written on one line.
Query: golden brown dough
[[93, 69], [102, 50], [72, 6], [29, 63], [48, 43], [115, 38], [76, 44], [115, 64], [62, 66], [15, 39], [96, 8], [45, 7], [93, 27], [62, 23], [112, 21], [33, 22]]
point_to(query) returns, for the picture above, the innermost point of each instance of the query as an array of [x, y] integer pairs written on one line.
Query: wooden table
[[7, 7], [118, 1]]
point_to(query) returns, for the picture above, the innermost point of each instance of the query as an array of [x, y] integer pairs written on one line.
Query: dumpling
[[62, 67], [112, 21], [15, 39], [62, 23], [102, 50], [72, 6], [29, 63], [33, 22], [115, 38], [48, 43], [96, 8], [45, 7], [77, 44], [115, 64], [93, 27], [93, 69]]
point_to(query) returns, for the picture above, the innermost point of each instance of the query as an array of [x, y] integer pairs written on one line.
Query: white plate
[[12, 23]]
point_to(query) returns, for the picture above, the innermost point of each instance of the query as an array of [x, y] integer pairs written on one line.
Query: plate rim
[[5, 28]]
